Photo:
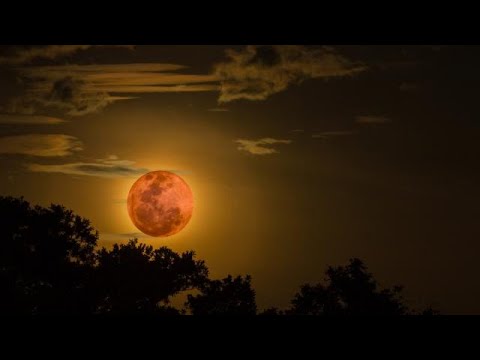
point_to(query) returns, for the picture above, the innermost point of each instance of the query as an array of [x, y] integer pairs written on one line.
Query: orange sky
[[298, 157]]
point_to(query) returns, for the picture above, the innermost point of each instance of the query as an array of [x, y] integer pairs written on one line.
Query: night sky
[[298, 157]]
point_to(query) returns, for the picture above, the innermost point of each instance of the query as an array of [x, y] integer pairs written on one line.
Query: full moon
[[160, 203]]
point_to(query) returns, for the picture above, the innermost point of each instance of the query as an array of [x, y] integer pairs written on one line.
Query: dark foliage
[[46, 256], [49, 264], [135, 277], [229, 296], [348, 290]]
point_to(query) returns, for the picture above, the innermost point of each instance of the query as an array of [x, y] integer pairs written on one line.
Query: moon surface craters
[[160, 203]]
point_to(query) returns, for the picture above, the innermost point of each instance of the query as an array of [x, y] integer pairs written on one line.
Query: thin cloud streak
[[15, 119], [84, 89], [103, 168], [43, 145]]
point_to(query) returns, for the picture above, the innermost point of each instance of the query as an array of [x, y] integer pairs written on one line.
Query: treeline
[[50, 264]]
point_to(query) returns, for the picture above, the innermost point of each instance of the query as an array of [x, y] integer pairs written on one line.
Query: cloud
[[297, 130], [84, 89], [45, 145], [15, 119], [50, 52], [327, 134], [218, 110], [260, 146], [253, 73], [68, 94], [257, 72], [371, 119], [104, 168]]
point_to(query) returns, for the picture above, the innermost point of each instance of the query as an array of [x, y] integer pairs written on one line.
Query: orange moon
[[160, 203]]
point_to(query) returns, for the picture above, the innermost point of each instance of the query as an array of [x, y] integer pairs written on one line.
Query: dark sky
[[299, 157]]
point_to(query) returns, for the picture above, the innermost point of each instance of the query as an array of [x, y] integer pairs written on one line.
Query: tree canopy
[[348, 290]]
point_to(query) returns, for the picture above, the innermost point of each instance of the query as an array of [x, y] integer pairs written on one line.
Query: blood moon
[[160, 203]]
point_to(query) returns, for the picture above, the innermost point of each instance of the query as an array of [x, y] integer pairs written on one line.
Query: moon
[[160, 203]]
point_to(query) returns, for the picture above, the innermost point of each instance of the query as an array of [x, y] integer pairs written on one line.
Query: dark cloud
[[101, 169], [266, 56], [68, 94], [64, 89], [257, 72]]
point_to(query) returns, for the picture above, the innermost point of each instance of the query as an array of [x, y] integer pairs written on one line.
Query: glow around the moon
[[160, 203]]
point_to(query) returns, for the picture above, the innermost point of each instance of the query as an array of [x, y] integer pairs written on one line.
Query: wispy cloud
[[254, 73], [44, 145], [261, 146], [106, 168], [372, 119], [257, 72], [84, 89], [24, 55], [328, 134], [16, 119]]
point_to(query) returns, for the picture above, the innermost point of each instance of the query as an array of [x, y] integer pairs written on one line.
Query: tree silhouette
[[45, 256], [50, 264], [348, 290], [229, 296], [136, 278]]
